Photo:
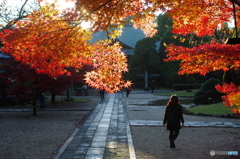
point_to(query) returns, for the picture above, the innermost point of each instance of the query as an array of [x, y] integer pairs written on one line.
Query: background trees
[[146, 59], [25, 84]]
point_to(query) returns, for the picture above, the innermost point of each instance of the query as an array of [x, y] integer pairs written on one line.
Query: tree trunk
[[53, 99], [68, 96], [34, 102]]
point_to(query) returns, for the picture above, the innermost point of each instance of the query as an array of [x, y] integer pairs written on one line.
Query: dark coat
[[173, 117]]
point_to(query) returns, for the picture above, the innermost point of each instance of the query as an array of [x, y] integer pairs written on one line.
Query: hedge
[[186, 86]]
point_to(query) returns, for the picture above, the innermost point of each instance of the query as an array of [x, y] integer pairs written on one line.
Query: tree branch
[[236, 2], [21, 10]]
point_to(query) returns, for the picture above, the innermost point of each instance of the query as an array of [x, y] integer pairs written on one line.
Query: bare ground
[[194, 143], [151, 142], [24, 136]]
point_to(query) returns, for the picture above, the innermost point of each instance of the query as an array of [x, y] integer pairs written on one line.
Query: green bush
[[213, 94], [210, 84], [186, 86], [201, 99], [198, 93], [208, 93]]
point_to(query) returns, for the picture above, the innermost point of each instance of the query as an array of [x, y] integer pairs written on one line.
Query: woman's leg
[[171, 135], [175, 134]]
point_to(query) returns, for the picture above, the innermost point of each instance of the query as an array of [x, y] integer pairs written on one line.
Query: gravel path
[[24, 136], [151, 142]]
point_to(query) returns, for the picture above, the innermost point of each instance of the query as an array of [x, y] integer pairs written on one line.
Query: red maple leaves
[[232, 97], [205, 58]]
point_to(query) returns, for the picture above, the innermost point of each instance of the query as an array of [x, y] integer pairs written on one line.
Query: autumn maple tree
[[50, 40], [211, 56], [48, 43]]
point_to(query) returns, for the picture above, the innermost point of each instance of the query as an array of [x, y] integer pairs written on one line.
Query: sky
[[61, 3]]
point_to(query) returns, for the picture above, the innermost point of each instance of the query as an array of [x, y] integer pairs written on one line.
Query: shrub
[[198, 93], [201, 99], [213, 94], [210, 84], [186, 86], [207, 91]]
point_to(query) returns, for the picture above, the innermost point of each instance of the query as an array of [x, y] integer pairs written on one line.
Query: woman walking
[[173, 117]]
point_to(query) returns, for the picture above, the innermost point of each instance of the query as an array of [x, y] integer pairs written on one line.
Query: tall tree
[[170, 69], [145, 59]]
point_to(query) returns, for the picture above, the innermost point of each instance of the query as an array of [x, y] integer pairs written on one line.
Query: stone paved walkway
[[105, 134]]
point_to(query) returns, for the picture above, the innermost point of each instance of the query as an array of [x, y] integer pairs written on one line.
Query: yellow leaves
[[234, 99], [175, 37], [109, 64], [114, 33]]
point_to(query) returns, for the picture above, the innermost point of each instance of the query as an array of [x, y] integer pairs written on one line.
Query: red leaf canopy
[[205, 58]]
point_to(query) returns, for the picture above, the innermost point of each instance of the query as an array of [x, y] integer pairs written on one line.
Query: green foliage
[[145, 57], [214, 109], [185, 86], [170, 70], [59, 101], [213, 93], [208, 91], [164, 28], [201, 99], [182, 93], [200, 92], [210, 84]]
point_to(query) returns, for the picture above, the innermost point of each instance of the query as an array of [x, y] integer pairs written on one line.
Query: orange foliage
[[200, 17], [205, 58], [232, 97], [109, 63], [49, 44], [112, 13], [50, 40]]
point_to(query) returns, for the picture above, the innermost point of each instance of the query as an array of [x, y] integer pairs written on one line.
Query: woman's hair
[[173, 100], [174, 97]]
